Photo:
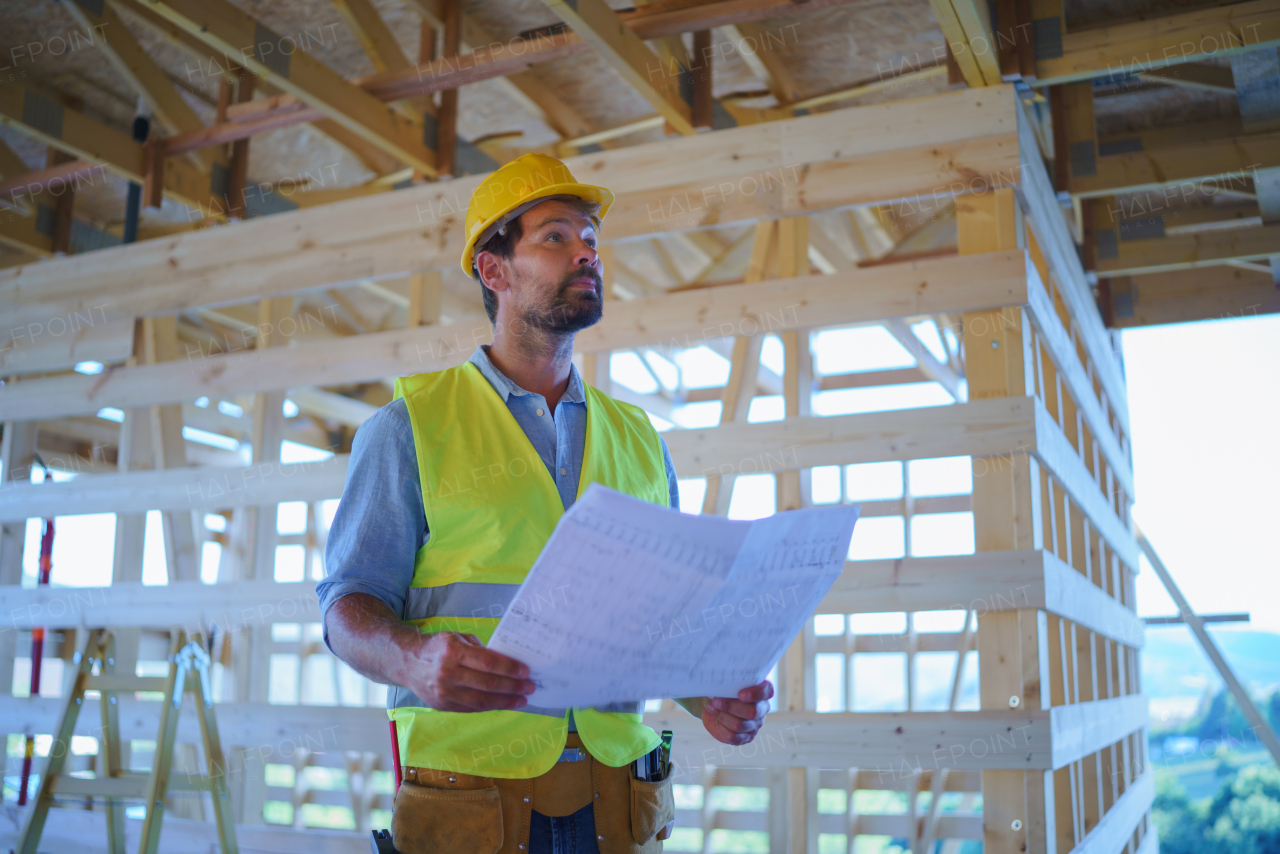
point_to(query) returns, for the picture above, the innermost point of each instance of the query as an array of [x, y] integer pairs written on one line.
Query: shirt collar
[[505, 388]]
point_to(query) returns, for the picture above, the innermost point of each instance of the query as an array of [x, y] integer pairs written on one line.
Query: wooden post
[[702, 80], [1007, 515], [238, 170], [447, 140], [160, 344]]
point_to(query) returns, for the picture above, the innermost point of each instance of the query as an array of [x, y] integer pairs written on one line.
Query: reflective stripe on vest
[[491, 504]]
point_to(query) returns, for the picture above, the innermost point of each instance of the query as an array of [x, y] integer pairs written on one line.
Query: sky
[[1204, 409]]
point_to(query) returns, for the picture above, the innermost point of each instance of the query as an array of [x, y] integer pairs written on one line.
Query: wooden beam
[[231, 32], [975, 20], [765, 60], [1204, 293], [1193, 75], [626, 53], [1044, 216], [1115, 829], [703, 81], [1189, 251], [688, 317], [1000, 580], [905, 148], [18, 233], [957, 43], [1079, 133], [72, 132], [447, 120], [673, 17], [147, 80], [986, 428], [1160, 42], [1082, 729], [1186, 170]]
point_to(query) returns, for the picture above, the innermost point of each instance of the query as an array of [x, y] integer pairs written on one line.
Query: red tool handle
[[395, 754]]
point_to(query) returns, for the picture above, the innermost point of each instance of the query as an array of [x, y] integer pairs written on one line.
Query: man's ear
[[493, 273]]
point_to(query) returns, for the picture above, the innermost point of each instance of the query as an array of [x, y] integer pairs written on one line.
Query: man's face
[[556, 276]]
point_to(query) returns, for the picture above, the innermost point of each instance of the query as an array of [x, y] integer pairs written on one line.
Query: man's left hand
[[736, 721]]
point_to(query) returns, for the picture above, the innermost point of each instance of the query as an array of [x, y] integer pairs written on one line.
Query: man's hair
[[504, 240]]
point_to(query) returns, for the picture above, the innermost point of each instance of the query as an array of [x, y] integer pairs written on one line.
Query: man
[[453, 489]]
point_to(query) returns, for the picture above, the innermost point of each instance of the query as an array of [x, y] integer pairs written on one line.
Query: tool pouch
[[632, 816], [458, 813], [653, 809]]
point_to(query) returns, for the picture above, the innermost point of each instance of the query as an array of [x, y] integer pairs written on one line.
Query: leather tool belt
[[446, 811]]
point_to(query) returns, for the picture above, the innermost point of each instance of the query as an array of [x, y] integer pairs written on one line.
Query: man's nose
[[585, 256]]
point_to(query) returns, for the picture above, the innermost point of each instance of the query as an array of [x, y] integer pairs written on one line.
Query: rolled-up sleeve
[[380, 523], [672, 484]]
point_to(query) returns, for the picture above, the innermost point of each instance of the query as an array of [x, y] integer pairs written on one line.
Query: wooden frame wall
[[1045, 424]]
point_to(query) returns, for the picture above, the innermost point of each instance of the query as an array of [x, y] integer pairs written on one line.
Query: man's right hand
[[455, 672]]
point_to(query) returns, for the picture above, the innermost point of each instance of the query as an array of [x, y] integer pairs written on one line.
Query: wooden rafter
[[1161, 42], [626, 53], [148, 81], [226, 29], [75, 134], [967, 135], [891, 290]]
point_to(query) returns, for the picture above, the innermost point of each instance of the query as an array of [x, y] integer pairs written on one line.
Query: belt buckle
[[572, 754]]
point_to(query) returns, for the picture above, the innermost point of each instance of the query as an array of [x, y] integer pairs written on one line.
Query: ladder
[[116, 784]]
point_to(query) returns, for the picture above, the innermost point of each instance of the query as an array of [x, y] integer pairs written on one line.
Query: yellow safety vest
[[491, 505]]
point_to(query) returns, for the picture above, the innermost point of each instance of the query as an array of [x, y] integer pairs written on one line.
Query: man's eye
[[554, 236]]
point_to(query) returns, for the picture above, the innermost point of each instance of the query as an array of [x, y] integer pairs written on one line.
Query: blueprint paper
[[629, 600]]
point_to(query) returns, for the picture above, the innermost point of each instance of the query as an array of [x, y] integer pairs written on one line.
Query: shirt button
[[539, 411], [563, 470]]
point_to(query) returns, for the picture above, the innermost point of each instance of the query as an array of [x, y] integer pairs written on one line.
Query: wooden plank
[[18, 233], [70, 131], [1045, 218], [1123, 819], [1067, 361], [190, 604], [63, 343], [1079, 132], [1069, 594], [1206, 293], [1156, 43], [1191, 251], [1059, 457], [897, 742], [624, 52], [180, 489], [765, 61], [914, 146], [975, 19], [958, 45], [80, 830], [226, 29], [1193, 75], [689, 317], [135, 65], [1206, 166], [1082, 729], [673, 17], [982, 428]]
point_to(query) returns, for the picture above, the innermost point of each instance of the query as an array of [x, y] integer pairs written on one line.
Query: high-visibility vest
[[490, 505]]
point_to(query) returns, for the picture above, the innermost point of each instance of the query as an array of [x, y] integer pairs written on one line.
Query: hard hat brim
[[599, 195]]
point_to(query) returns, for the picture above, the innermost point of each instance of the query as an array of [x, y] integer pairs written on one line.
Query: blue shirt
[[380, 523]]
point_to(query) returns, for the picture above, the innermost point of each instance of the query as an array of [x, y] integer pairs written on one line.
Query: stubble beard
[[572, 309]]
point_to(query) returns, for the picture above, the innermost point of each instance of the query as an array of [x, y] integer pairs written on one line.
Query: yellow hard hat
[[516, 187]]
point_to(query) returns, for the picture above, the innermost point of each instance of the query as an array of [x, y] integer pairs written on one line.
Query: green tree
[[1244, 817]]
